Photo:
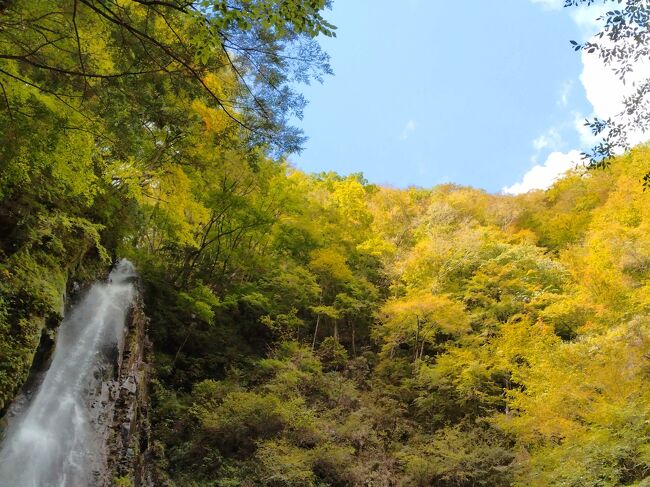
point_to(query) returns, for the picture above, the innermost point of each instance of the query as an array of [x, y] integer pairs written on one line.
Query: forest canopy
[[311, 329]]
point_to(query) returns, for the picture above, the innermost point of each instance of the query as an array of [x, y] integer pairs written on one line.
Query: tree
[[623, 42], [327, 311], [80, 50], [418, 318]]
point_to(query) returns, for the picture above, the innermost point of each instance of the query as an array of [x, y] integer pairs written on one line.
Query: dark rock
[[122, 420]]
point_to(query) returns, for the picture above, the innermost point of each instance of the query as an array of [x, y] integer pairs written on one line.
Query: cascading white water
[[53, 442]]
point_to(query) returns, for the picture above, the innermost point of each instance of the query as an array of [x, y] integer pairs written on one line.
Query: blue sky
[[426, 91]]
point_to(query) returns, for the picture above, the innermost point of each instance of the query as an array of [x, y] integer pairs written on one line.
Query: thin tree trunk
[[354, 345], [417, 338], [313, 343], [178, 352]]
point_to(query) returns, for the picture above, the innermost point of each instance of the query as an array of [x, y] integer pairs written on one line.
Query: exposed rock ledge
[[122, 407]]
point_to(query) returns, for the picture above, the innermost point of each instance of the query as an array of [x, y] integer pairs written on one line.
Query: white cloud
[[602, 88], [587, 138], [408, 129], [588, 19], [565, 93], [585, 17], [606, 92], [551, 139], [544, 175], [550, 4]]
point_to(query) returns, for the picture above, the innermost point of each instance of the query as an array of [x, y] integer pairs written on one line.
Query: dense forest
[[311, 329]]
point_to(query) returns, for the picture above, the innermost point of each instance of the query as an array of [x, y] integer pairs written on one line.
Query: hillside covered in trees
[[311, 329], [373, 336]]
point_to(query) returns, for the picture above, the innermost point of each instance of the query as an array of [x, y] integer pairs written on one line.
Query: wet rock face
[[119, 407], [123, 407]]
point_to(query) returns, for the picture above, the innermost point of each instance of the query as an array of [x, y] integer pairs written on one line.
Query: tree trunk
[[178, 352], [313, 343], [417, 339]]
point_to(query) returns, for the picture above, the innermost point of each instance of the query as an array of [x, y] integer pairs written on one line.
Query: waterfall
[[53, 442]]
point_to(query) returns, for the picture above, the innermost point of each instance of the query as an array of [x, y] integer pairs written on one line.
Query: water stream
[[53, 441]]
